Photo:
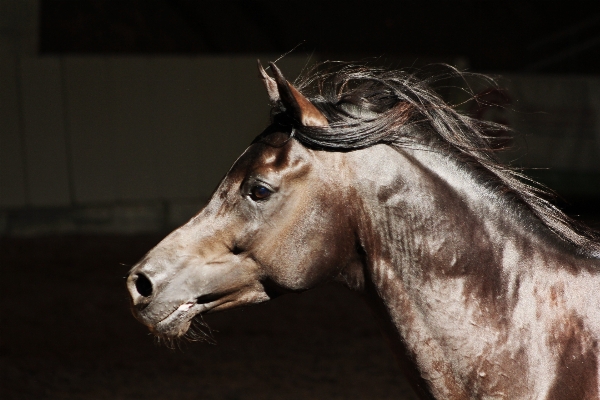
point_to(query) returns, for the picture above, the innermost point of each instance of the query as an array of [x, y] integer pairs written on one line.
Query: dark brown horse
[[366, 177]]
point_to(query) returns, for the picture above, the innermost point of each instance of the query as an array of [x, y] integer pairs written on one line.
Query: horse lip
[[177, 322], [209, 298], [183, 314], [179, 317]]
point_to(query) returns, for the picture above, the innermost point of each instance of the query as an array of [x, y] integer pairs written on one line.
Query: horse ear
[[270, 85], [298, 105]]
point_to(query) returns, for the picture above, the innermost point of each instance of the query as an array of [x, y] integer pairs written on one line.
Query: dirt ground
[[67, 333]]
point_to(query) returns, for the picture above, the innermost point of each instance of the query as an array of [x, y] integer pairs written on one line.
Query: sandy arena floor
[[66, 333]]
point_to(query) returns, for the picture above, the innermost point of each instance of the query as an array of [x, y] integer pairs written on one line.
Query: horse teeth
[[185, 307]]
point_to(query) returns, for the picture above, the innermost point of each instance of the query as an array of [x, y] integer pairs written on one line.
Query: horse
[[368, 178]]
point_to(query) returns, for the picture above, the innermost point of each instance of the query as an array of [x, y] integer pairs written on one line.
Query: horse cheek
[[301, 253]]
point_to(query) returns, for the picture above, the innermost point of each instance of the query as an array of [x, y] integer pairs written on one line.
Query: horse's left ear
[[294, 102], [270, 85]]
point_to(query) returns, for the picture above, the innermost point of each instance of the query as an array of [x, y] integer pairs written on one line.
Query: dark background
[[544, 37], [66, 332]]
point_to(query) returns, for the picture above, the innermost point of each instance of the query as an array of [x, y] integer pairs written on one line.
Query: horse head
[[268, 229]]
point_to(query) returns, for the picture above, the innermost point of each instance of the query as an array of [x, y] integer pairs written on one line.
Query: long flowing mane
[[367, 106]]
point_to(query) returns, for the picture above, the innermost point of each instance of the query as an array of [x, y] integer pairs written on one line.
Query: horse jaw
[[237, 251]]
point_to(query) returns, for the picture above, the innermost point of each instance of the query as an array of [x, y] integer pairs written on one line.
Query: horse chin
[[176, 324], [171, 331]]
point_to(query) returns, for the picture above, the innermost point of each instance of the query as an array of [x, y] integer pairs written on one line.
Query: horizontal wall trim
[[122, 217]]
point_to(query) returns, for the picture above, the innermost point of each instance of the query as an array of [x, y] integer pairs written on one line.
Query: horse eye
[[259, 192]]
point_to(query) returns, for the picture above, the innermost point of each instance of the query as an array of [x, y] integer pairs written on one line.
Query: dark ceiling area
[[526, 36]]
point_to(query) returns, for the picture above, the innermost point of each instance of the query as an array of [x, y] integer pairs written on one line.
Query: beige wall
[[106, 132], [103, 129]]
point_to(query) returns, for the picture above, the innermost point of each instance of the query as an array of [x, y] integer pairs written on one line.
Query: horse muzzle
[[167, 303], [163, 316]]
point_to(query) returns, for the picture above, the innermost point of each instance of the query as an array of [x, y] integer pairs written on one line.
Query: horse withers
[[368, 178]]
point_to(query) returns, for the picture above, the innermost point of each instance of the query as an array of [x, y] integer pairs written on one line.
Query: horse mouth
[[177, 323], [181, 322]]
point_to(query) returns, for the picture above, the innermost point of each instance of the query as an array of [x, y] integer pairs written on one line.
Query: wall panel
[[91, 128], [12, 163], [44, 131], [177, 121], [135, 138]]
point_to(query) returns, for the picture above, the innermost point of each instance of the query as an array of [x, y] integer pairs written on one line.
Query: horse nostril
[[237, 250], [143, 285]]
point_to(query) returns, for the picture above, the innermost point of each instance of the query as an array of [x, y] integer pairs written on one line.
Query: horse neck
[[442, 255], [424, 215]]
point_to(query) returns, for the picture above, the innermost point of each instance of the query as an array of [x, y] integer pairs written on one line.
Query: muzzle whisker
[[200, 332]]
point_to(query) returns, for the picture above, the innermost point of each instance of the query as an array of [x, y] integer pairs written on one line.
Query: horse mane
[[367, 106]]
